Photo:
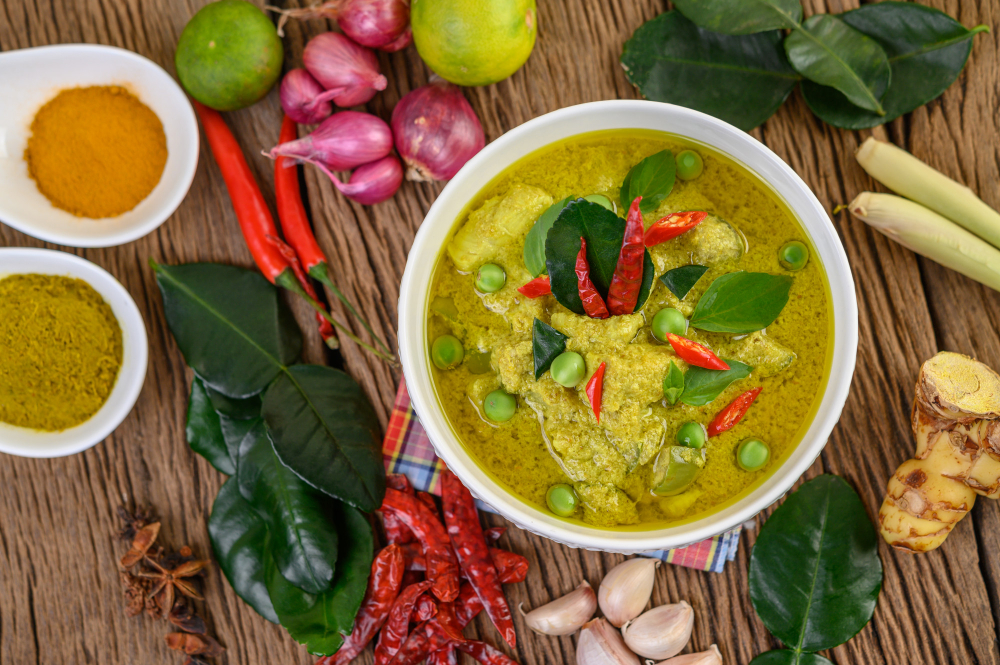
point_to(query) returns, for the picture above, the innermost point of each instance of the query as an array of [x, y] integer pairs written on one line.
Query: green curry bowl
[[616, 350]]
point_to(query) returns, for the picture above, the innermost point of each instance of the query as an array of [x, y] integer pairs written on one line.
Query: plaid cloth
[[408, 450]]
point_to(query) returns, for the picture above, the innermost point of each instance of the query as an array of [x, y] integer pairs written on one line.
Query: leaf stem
[[322, 273]]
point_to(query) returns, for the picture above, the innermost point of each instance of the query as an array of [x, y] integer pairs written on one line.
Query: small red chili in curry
[[733, 413], [536, 288], [623, 293], [595, 391], [442, 567], [397, 625], [462, 522], [593, 303], [694, 353], [673, 225]]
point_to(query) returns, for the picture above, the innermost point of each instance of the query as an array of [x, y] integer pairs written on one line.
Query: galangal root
[[956, 422]]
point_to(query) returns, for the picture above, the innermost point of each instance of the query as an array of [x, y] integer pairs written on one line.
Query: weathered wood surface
[[59, 592]]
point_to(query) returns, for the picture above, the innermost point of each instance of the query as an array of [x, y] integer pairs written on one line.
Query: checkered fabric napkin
[[407, 450]]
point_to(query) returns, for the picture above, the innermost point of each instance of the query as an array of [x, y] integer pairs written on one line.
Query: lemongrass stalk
[[929, 234], [906, 175]]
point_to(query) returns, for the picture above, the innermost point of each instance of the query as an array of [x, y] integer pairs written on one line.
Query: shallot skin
[[373, 183], [350, 72], [343, 141], [436, 131], [375, 23], [302, 98]]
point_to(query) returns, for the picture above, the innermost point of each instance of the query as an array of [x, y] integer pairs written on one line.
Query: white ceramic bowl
[[29, 78], [34, 443], [531, 136]]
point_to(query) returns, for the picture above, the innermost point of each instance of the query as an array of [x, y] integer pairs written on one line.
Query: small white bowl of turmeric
[[73, 353], [98, 145]]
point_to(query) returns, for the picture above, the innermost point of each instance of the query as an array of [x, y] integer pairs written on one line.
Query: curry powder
[[60, 351], [97, 151]]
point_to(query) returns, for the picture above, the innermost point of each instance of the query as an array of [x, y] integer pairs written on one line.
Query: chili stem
[[323, 275]]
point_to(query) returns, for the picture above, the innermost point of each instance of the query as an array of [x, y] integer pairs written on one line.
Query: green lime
[[229, 55], [474, 42]]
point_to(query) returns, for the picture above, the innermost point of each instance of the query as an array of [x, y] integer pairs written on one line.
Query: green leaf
[[321, 621], [534, 243], [652, 179], [546, 344], [681, 280], [741, 302], [325, 429], [673, 384], [740, 79], [786, 657], [742, 17], [234, 330], [234, 430], [815, 574], [927, 50], [303, 540], [241, 409], [701, 386], [604, 231], [830, 52], [239, 540], [204, 431]]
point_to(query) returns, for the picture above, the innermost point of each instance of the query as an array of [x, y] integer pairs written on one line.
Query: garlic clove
[[626, 589], [661, 632], [601, 644], [564, 615], [710, 657]]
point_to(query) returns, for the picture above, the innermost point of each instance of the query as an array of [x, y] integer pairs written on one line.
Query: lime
[[229, 55], [474, 42]]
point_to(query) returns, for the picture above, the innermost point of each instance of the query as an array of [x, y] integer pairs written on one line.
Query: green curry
[[646, 450]]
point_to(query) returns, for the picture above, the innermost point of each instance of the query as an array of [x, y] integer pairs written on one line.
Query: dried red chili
[[593, 304], [485, 653], [397, 625], [383, 587], [595, 391], [395, 531], [467, 605], [429, 501], [494, 532], [426, 609], [511, 567], [399, 482], [623, 293], [536, 288], [446, 656], [733, 413], [694, 353], [438, 633], [673, 225], [442, 568], [473, 553]]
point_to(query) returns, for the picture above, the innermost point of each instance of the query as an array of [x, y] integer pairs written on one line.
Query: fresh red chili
[[593, 304], [733, 413], [536, 288], [426, 609], [623, 293], [294, 222], [485, 653], [595, 391], [254, 217], [325, 327], [397, 625], [442, 567], [469, 543], [673, 225], [694, 353], [494, 532], [383, 587]]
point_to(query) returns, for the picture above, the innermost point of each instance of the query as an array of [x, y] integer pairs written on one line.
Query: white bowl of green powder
[[73, 353]]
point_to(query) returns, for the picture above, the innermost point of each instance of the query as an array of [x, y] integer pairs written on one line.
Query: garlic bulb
[[661, 632], [626, 589], [710, 657], [565, 615], [600, 644]]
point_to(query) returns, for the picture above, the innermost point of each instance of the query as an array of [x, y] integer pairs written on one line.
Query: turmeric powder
[[97, 151]]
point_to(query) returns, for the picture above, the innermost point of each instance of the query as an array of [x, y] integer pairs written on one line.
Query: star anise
[[165, 581], [134, 521]]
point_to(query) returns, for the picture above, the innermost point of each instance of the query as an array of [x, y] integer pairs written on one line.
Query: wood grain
[[59, 593]]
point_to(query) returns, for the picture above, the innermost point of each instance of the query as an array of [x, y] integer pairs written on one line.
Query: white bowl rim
[[135, 351], [609, 115], [186, 169]]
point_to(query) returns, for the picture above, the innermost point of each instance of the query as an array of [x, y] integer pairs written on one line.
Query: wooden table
[[60, 597]]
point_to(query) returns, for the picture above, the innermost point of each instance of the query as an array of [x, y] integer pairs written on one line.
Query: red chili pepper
[[485, 653], [396, 531], [397, 626], [254, 217], [383, 587], [493, 533], [623, 294], [412, 577], [438, 633], [673, 225], [536, 288], [473, 553], [442, 567], [429, 501], [694, 353], [593, 304], [426, 609], [397, 481], [595, 391], [511, 567], [446, 656], [467, 605], [733, 413], [325, 327], [291, 212]]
